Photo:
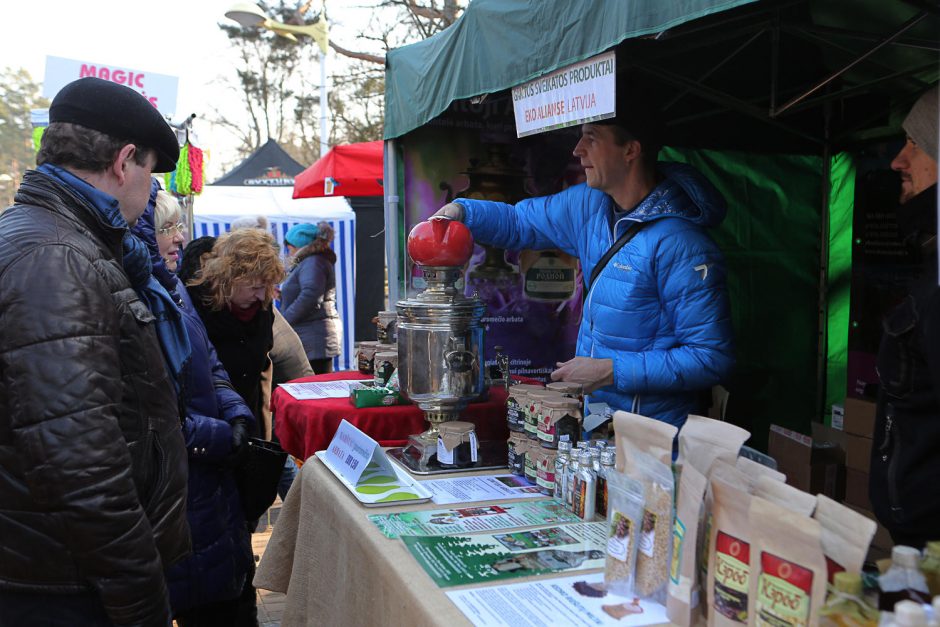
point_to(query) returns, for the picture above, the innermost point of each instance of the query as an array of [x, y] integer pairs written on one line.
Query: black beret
[[117, 111]]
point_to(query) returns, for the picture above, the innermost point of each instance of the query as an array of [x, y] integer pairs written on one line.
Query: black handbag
[[258, 476]]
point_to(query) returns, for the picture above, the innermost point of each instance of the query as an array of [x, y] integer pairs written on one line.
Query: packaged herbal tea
[[643, 434], [784, 495], [624, 514], [788, 570], [846, 535], [683, 600], [754, 471], [729, 554], [703, 440]]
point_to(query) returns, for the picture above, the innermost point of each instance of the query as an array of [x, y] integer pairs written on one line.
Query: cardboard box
[[859, 417], [857, 452], [813, 464], [856, 488], [838, 417]]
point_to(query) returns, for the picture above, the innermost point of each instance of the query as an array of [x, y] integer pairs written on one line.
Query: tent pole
[[391, 222], [822, 348]]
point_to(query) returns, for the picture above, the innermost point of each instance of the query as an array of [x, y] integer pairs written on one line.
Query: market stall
[[263, 185]]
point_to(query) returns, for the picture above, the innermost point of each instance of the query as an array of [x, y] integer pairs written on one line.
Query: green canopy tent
[[773, 100]]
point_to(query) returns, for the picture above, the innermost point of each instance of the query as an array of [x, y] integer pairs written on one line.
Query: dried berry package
[[729, 554], [625, 514], [788, 569]]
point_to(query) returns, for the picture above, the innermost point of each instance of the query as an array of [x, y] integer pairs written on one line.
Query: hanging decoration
[[189, 176]]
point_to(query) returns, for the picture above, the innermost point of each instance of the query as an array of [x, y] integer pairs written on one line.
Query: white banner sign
[[579, 93], [159, 89]]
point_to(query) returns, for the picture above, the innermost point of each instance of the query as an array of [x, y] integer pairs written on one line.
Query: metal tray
[[492, 456]]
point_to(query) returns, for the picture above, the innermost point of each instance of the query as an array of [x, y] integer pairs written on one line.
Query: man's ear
[[124, 156], [632, 150]]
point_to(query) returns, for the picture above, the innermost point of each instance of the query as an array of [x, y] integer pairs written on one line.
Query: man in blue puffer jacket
[[656, 330]]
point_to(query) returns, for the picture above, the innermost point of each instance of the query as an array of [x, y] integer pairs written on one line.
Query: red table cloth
[[305, 427]]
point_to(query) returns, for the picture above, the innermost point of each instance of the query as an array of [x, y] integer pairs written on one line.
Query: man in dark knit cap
[[92, 460], [905, 463]]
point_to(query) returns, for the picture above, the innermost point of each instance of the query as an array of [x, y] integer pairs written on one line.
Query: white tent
[[218, 205]]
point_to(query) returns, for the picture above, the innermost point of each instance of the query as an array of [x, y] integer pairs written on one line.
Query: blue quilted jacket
[[659, 309]]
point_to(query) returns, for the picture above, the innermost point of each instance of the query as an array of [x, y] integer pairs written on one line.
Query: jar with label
[[386, 324], [551, 276], [606, 466], [546, 471], [584, 489], [531, 462], [534, 411], [559, 421], [561, 469], [516, 403], [517, 446], [457, 444], [385, 363], [366, 357], [568, 388]]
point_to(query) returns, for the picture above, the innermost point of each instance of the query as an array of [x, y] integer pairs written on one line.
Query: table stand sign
[[361, 465]]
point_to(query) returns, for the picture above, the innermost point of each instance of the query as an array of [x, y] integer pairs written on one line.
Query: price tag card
[[351, 451]]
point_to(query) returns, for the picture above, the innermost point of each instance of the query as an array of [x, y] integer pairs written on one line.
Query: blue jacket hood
[[683, 193]]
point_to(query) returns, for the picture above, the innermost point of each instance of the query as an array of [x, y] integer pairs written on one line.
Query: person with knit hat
[[308, 296], [93, 353], [904, 480]]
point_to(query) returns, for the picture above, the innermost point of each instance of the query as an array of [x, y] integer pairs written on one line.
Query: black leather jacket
[[92, 460], [905, 464]]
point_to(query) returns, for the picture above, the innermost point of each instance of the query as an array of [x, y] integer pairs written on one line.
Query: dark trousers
[[241, 611], [52, 610], [322, 366]]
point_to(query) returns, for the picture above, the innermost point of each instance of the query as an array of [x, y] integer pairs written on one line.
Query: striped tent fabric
[[214, 222]]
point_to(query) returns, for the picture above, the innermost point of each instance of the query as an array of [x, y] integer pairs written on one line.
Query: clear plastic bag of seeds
[[625, 506]]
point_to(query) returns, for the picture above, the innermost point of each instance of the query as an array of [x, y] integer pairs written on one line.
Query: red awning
[[348, 170]]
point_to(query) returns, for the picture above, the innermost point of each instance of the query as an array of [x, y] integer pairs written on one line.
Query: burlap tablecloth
[[337, 568]]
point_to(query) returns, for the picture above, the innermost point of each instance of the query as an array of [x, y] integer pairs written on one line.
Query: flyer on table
[[578, 601], [468, 559], [473, 518], [475, 489]]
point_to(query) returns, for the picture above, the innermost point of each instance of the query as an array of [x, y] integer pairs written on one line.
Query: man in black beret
[[92, 460]]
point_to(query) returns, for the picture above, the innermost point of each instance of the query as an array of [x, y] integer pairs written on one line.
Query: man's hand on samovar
[[592, 374], [451, 210]]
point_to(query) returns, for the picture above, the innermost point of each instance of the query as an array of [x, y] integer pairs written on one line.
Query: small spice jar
[[560, 420], [366, 357], [386, 324], [516, 403], [385, 363], [534, 410], [457, 444], [545, 478], [517, 447], [567, 388]]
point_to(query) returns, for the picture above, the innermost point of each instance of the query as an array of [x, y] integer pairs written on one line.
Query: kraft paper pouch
[[684, 594], [784, 495], [729, 557], [754, 471], [788, 569], [648, 435], [703, 440], [722, 471], [846, 535]]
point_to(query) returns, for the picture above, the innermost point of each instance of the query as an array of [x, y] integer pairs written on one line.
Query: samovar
[[440, 336]]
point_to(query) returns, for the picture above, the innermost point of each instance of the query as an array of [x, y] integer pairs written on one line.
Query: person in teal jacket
[[656, 329]]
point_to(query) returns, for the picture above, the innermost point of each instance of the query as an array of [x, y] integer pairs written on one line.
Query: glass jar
[[584, 490], [534, 411], [384, 364], [366, 357], [531, 462], [559, 421], [568, 388], [561, 468], [457, 444], [516, 403], [546, 470], [517, 446], [385, 327], [607, 462]]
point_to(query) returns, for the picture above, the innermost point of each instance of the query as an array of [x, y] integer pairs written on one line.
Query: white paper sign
[[159, 89], [579, 93], [351, 451]]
